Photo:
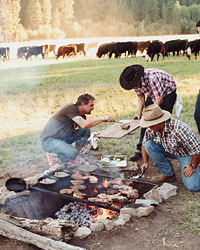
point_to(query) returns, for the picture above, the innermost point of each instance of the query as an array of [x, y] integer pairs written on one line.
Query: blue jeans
[[63, 148], [159, 156], [197, 112]]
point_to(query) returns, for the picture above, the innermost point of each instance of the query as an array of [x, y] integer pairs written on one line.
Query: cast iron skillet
[[15, 184], [19, 184]]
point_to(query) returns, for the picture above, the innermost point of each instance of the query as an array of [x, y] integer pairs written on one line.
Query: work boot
[[161, 178], [137, 156]]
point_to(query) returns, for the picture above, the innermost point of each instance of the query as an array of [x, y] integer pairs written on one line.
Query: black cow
[[193, 47], [35, 51], [104, 49], [22, 51], [128, 48], [175, 46], [117, 48], [5, 53], [156, 47]]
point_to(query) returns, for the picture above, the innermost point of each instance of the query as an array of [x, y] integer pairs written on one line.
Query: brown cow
[[52, 48], [49, 48], [66, 50], [143, 45]]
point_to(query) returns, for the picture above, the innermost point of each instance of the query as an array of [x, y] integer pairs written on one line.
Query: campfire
[[75, 194], [62, 203]]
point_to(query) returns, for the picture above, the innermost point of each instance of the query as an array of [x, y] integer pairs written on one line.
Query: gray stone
[[167, 190], [109, 224], [125, 217], [153, 195], [137, 212], [126, 210], [144, 211], [119, 222], [146, 203], [82, 233], [122, 219], [97, 227]]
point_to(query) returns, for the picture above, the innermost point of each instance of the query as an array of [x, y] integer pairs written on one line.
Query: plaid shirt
[[177, 138], [156, 83]]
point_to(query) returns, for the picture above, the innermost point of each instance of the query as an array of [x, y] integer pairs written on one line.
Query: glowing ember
[[103, 213], [105, 183]]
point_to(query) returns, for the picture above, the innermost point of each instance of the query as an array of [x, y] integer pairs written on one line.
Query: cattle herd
[[110, 50]]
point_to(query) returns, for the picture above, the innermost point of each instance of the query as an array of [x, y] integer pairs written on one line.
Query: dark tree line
[[22, 20]]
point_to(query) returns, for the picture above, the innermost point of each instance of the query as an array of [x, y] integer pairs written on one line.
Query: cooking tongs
[[140, 175]]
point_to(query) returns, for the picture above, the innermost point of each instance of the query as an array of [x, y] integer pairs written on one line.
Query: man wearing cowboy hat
[[159, 87], [166, 138]]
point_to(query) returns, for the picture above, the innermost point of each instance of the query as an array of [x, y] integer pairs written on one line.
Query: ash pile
[[78, 213]]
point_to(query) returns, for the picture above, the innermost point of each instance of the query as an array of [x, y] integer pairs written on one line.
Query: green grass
[[191, 214], [30, 95]]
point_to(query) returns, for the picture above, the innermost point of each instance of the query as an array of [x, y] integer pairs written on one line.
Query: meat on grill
[[66, 191], [77, 182], [48, 181], [61, 174], [78, 187], [79, 194], [77, 176], [93, 179]]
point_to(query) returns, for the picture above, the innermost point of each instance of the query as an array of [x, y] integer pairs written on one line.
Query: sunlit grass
[[30, 95]]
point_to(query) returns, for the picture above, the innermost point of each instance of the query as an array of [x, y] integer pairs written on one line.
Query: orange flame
[[105, 183], [103, 213]]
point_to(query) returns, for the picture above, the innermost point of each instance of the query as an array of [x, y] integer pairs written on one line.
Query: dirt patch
[[160, 230]]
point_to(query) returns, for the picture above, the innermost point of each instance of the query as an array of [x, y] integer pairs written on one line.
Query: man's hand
[[144, 167], [188, 170], [136, 117], [108, 119]]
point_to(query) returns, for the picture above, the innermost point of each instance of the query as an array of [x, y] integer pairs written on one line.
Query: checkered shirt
[[177, 138], [156, 83]]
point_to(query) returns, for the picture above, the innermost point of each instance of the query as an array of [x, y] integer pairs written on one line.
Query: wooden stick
[[11, 231]]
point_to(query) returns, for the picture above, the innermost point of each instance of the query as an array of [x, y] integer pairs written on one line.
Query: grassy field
[[30, 95]]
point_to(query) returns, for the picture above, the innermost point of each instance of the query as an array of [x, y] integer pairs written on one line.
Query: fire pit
[[94, 194]]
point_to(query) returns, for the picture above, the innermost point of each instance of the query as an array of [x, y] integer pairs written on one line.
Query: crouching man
[[69, 125], [170, 138]]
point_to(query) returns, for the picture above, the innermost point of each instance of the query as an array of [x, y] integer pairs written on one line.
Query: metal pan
[[48, 177], [16, 184]]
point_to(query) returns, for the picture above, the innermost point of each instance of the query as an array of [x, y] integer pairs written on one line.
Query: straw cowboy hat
[[153, 115], [131, 76]]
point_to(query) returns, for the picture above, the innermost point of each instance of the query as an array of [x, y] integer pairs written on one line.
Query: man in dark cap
[[157, 85]]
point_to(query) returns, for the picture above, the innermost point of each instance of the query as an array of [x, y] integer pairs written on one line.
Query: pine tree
[[14, 9], [46, 11], [4, 21], [34, 15], [170, 12], [55, 21]]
